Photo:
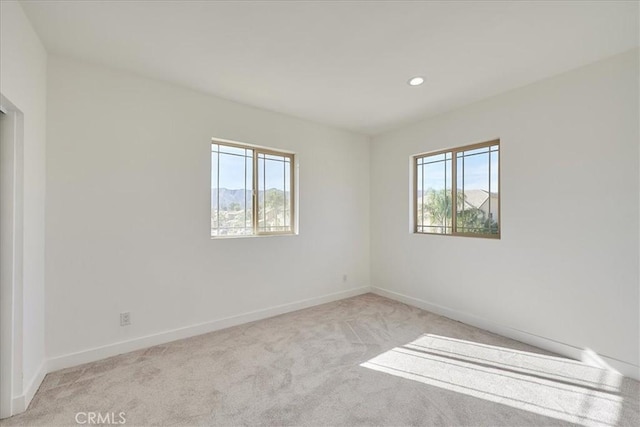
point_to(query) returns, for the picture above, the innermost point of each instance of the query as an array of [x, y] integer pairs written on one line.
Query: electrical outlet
[[125, 319], [344, 277]]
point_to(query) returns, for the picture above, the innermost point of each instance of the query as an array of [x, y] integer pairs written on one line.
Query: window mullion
[[454, 192], [254, 193], [415, 197], [488, 222], [264, 191], [291, 193]]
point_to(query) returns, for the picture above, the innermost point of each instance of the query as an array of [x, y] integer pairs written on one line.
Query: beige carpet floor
[[361, 361]]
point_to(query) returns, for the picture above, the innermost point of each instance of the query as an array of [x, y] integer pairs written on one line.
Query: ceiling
[[344, 64]]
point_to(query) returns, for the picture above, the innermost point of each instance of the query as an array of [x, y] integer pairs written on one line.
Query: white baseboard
[[98, 353], [21, 403], [18, 405], [563, 349], [35, 383]]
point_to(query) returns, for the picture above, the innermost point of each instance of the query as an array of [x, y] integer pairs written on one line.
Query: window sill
[[253, 236], [474, 236]]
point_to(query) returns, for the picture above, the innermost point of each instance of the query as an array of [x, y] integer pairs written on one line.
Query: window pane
[[233, 150], [248, 201], [434, 158], [274, 196], [477, 197], [475, 151], [434, 195], [434, 229], [495, 193], [274, 157], [231, 201], [214, 191], [287, 192]]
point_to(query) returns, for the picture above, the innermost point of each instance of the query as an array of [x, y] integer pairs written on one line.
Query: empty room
[[320, 213]]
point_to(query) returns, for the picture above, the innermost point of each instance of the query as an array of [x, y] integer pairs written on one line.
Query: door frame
[[11, 256]]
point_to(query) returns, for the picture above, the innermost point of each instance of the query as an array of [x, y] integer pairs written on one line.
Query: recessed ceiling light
[[416, 81]]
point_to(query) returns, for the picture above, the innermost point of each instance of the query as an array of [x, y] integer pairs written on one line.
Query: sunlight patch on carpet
[[561, 388]]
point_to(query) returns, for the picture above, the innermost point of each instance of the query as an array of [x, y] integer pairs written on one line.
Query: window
[[474, 172], [251, 191]]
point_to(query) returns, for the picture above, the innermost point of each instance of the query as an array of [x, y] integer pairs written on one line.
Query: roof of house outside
[[476, 198]]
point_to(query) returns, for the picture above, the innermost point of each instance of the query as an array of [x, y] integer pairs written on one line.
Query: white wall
[[23, 70], [128, 210], [566, 267]]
